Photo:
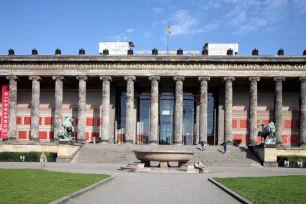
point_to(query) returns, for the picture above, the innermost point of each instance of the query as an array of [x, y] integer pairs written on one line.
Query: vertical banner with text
[[5, 111]]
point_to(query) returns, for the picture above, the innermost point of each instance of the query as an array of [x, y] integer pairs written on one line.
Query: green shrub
[[292, 160], [29, 156]]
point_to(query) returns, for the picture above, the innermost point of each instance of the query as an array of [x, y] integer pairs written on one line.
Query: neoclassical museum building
[[164, 100]]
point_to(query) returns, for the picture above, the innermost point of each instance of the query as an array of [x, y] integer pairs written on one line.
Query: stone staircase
[[123, 154]]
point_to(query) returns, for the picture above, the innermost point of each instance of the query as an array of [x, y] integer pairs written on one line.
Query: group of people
[[224, 144], [198, 164]]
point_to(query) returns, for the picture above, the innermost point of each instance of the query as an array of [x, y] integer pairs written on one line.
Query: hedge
[[29, 156], [292, 160]]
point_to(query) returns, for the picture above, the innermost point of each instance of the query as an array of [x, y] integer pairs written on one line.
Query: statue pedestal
[[267, 154]]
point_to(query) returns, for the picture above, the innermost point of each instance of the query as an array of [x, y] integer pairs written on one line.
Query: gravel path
[[168, 188]]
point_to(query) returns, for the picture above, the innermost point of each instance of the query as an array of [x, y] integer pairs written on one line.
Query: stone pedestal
[[163, 165], [253, 111], [203, 108], [105, 108], [82, 108], [130, 119], [35, 103], [278, 105], [12, 134], [302, 112], [228, 104], [178, 114], [58, 104], [154, 111]]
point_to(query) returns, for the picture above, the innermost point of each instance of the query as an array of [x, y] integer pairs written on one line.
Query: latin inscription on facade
[[186, 66]]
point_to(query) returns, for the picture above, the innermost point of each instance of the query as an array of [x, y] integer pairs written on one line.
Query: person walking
[[43, 160], [224, 147], [202, 145]]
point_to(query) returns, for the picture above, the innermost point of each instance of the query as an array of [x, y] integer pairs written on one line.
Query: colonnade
[[154, 112]]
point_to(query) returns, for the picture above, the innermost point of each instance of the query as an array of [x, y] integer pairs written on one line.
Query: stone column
[[278, 105], [303, 112], [12, 134], [105, 108], [58, 116], [253, 110], [203, 108], [130, 120], [178, 114], [228, 104], [82, 108], [154, 110], [197, 127], [35, 103]]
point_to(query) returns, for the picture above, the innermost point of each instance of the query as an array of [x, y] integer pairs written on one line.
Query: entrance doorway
[[166, 107]]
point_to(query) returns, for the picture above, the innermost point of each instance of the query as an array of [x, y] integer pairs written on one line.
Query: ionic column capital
[[105, 78], [12, 77], [58, 78], [229, 78], [133, 78], [204, 78], [178, 78], [82, 78], [302, 78], [152, 78], [279, 78], [37, 78], [254, 79]]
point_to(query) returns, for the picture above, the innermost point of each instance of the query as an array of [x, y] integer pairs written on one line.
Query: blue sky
[[267, 25]]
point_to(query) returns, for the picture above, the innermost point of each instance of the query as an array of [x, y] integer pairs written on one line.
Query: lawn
[[264, 190], [37, 186]]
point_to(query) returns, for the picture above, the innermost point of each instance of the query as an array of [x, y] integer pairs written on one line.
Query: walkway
[[168, 188]]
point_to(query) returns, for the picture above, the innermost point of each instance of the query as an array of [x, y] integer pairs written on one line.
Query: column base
[[177, 143], [105, 141], [129, 142], [153, 143], [81, 141], [303, 146], [34, 139]]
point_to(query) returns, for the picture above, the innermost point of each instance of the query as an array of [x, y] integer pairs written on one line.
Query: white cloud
[[158, 10], [146, 34], [120, 37], [253, 15], [186, 24], [130, 30]]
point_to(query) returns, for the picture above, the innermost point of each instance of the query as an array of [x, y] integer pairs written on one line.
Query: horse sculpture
[[66, 135], [268, 133]]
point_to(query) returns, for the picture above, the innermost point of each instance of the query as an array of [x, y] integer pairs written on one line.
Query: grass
[[37, 186], [264, 190]]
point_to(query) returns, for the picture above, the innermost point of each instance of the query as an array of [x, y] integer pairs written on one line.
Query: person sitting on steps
[[199, 165]]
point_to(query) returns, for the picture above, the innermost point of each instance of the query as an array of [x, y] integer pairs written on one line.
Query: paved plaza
[[143, 187]]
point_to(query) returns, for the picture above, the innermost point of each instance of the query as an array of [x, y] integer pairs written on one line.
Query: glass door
[[166, 106], [188, 118]]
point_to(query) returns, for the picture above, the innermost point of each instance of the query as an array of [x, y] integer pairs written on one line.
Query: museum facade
[[154, 99]]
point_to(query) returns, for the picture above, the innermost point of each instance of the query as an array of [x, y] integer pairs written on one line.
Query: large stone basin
[[163, 156]]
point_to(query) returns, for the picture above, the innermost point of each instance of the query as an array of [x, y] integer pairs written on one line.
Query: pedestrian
[[224, 147], [199, 165], [202, 145], [43, 160]]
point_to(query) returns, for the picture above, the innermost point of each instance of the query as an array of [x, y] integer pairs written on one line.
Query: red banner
[[5, 111]]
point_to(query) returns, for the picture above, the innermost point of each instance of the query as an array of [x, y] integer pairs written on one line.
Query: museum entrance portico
[[165, 107]]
